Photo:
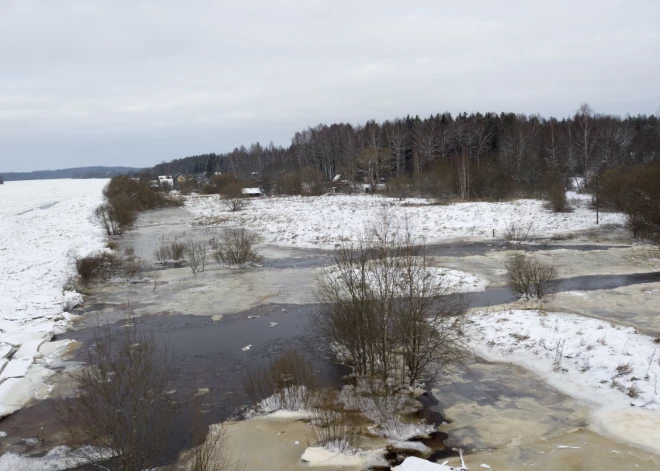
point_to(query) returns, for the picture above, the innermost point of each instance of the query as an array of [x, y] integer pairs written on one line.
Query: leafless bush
[[235, 203], [333, 426], [169, 250], [518, 232], [97, 267], [196, 254], [101, 267], [380, 401], [527, 276], [284, 384], [121, 413], [237, 247]]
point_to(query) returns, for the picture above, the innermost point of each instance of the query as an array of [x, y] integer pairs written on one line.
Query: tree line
[[468, 156]]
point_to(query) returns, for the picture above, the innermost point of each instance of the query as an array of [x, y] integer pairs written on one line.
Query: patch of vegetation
[[237, 247], [527, 276]]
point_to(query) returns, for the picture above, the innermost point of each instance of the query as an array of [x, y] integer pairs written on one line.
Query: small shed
[[251, 191]]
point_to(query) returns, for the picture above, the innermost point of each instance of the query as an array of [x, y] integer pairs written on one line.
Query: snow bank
[[42, 221], [601, 363], [57, 459], [324, 221]]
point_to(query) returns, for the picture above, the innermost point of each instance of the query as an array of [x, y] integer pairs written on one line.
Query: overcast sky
[[129, 82]]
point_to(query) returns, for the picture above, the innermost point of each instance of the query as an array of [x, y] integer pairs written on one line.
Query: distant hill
[[79, 172]]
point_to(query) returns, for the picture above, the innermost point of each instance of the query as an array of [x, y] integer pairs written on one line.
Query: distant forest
[[469, 156], [80, 172]]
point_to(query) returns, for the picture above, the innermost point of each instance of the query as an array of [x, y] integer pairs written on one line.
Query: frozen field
[[324, 221], [42, 222]]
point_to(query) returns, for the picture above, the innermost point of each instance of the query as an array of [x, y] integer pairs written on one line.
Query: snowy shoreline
[[43, 223], [612, 368]]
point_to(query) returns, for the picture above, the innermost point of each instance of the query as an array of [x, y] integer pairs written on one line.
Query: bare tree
[[385, 310], [428, 319], [114, 219], [585, 141], [121, 413]]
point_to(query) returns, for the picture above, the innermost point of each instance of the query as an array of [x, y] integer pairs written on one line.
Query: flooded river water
[[207, 320]]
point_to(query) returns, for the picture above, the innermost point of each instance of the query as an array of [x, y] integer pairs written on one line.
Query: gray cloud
[[136, 82]]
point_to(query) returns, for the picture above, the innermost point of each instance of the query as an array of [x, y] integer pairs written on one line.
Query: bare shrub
[[527, 276], [196, 254], [169, 250], [518, 232], [633, 391], [284, 384], [333, 426], [97, 267], [235, 203], [121, 413], [623, 369], [380, 401], [237, 247], [101, 267], [557, 199]]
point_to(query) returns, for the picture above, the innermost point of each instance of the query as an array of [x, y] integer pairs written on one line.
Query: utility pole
[[596, 199]]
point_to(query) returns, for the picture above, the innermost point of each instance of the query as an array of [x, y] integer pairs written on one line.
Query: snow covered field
[[324, 221], [42, 221]]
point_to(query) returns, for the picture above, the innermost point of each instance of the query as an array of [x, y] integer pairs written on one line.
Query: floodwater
[[207, 319]]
